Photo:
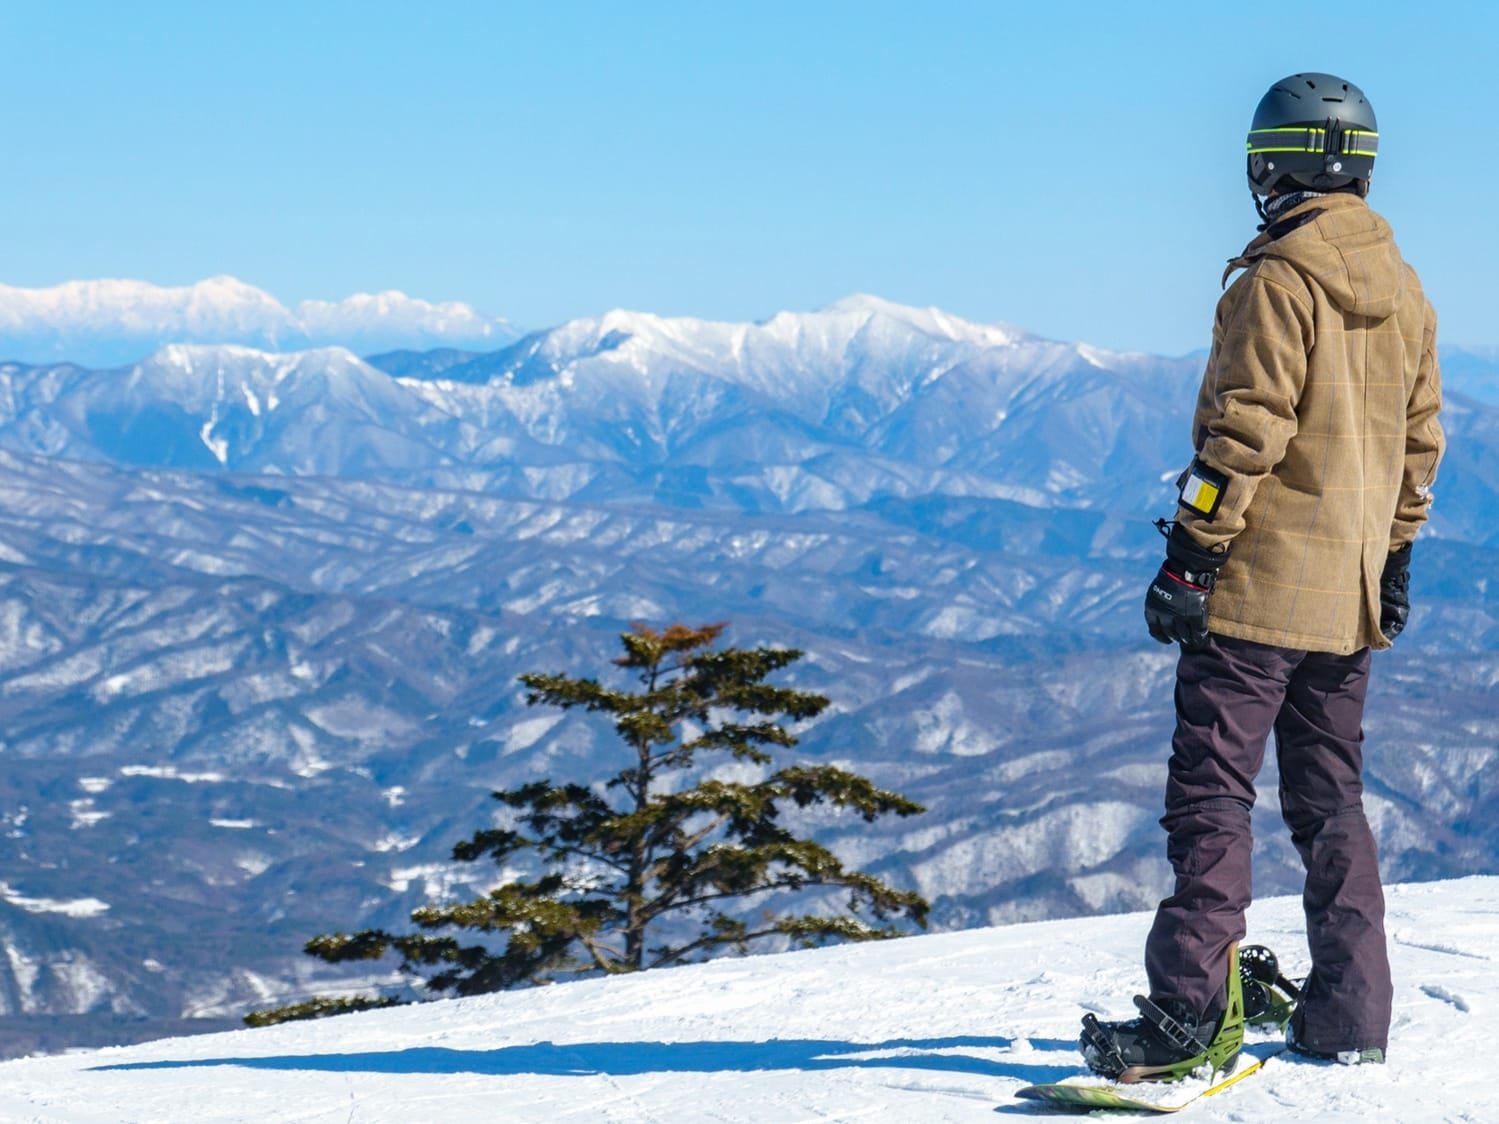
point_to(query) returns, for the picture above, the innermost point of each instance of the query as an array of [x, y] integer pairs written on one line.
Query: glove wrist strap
[[1185, 559], [1202, 579]]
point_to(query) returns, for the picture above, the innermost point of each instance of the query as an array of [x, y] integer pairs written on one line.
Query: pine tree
[[643, 870]]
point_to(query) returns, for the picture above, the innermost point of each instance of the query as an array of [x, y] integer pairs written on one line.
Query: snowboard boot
[[1269, 998], [1168, 1041], [1368, 1055]]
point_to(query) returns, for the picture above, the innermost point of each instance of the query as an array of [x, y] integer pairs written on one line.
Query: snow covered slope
[[935, 1028]]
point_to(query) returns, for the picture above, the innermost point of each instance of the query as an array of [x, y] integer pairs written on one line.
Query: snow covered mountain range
[[106, 323], [261, 616], [935, 1028]]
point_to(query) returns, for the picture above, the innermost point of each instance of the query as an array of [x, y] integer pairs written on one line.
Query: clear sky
[[1072, 168]]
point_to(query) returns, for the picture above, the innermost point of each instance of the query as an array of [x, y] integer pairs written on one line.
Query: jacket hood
[[1347, 249]]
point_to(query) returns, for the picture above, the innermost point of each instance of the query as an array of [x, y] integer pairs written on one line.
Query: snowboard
[[1086, 1093]]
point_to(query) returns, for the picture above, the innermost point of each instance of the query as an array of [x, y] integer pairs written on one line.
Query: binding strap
[[1171, 1030], [1110, 1061]]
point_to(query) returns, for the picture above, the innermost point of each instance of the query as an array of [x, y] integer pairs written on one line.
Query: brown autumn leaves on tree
[[646, 868]]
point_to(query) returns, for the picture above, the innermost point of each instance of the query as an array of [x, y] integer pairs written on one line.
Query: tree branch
[[708, 941], [787, 883]]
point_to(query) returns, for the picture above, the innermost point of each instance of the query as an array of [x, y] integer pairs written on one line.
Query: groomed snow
[[935, 1028]]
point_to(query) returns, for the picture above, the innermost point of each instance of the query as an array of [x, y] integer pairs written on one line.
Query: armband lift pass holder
[[1202, 489]]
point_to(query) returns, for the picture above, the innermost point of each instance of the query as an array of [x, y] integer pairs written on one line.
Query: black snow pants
[[1229, 697]]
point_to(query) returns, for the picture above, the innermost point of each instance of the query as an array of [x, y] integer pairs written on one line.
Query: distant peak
[[113, 321], [620, 324], [121, 289], [931, 320]]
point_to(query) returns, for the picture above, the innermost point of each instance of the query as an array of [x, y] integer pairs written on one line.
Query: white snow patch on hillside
[[395, 841], [70, 907], [529, 731], [439, 881], [353, 718], [936, 1028], [84, 814], [170, 773]]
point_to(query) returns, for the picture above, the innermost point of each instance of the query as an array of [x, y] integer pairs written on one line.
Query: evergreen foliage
[[319, 1007], [640, 871]]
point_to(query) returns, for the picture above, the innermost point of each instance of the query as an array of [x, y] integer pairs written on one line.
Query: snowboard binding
[[1166, 1046], [1269, 997]]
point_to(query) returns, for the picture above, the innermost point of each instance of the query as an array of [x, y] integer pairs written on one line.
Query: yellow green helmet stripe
[[1313, 138]]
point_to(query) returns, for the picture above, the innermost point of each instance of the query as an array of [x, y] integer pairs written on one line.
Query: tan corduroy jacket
[[1319, 407]]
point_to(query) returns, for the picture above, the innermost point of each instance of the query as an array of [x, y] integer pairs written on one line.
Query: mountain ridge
[[111, 322], [623, 400], [262, 614]]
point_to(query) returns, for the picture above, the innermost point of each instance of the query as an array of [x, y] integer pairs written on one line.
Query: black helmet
[[1314, 129]]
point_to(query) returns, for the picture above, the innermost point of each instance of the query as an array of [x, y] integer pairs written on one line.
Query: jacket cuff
[[1197, 564], [1399, 560]]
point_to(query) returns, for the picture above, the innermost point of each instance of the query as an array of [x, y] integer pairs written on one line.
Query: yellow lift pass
[[1202, 489]]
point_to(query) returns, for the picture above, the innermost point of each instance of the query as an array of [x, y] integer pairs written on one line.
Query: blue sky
[[1073, 168]]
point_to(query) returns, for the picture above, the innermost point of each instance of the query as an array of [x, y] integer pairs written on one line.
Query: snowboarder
[[1317, 442]]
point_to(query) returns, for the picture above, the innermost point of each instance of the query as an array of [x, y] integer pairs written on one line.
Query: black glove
[[1176, 605], [1395, 592]]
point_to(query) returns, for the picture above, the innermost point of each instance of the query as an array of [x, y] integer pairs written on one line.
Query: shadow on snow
[[582, 1059]]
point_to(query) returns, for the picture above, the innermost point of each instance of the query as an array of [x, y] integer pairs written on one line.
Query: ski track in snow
[[934, 1028]]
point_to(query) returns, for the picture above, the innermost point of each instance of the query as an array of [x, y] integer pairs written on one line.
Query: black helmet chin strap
[[1259, 207], [1272, 208]]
